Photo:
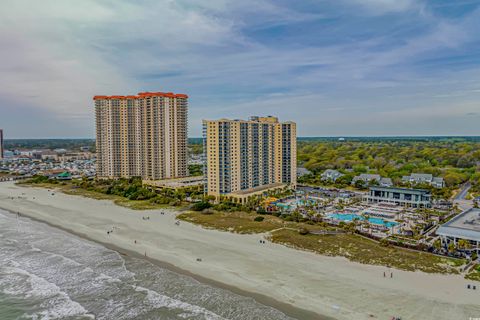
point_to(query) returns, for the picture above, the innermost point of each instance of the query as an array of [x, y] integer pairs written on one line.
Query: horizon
[[336, 68], [298, 137]]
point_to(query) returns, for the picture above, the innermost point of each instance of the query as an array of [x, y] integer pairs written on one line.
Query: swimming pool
[[351, 217], [294, 203]]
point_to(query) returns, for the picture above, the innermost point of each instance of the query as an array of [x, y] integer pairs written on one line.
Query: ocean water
[[46, 273]]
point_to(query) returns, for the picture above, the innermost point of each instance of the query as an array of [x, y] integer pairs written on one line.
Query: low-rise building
[[419, 178], [196, 183], [302, 172], [331, 175], [76, 156], [465, 226], [415, 198], [49, 155]]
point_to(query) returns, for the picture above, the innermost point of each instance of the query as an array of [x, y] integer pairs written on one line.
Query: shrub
[[207, 211], [262, 211], [38, 179], [200, 206], [384, 242], [259, 219], [303, 231], [160, 200]]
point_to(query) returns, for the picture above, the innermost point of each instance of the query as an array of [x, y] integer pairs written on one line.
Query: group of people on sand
[[385, 274], [262, 241], [146, 218], [111, 231]]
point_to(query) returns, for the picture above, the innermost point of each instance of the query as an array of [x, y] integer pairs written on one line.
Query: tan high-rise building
[[142, 136], [245, 158]]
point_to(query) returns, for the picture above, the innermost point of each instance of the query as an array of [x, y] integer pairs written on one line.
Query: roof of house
[[368, 176], [330, 172], [386, 180], [421, 176]]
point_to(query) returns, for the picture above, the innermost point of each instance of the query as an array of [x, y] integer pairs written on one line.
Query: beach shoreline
[[298, 283], [287, 309]]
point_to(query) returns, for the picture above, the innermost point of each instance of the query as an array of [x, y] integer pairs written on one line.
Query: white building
[[414, 198], [331, 175], [418, 178], [465, 226]]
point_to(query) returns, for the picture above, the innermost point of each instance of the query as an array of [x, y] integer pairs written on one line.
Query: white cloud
[[386, 6], [58, 54]]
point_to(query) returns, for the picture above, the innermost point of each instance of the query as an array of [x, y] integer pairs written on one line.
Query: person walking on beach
[[391, 274], [384, 274]]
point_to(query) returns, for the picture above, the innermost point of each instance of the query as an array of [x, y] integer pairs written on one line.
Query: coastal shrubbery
[[40, 179], [129, 189], [202, 205], [259, 219]]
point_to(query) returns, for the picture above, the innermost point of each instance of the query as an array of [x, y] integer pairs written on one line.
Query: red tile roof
[[142, 95]]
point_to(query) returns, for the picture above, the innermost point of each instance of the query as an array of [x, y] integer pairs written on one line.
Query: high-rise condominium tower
[[142, 136], [244, 158], [1, 144]]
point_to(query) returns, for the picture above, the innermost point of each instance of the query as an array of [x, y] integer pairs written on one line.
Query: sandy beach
[[333, 287]]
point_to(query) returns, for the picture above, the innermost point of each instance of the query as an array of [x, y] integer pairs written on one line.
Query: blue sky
[[337, 68]]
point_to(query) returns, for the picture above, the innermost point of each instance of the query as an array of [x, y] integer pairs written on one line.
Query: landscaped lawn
[[239, 222], [359, 249]]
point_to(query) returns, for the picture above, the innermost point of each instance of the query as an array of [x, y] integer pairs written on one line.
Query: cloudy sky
[[337, 68]]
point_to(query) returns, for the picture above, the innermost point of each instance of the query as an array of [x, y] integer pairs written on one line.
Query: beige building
[[246, 158], [142, 136]]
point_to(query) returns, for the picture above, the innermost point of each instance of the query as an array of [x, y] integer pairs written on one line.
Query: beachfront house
[[331, 175], [419, 178]]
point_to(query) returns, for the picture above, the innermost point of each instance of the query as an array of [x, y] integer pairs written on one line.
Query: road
[[463, 193], [460, 200]]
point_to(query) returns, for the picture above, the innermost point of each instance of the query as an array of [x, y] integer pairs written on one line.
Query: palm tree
[[463, 244], [451, 247]]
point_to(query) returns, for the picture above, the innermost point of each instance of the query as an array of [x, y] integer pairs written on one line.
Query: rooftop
[[465, 225], [422, 191], [426, 176], [253, 119], [142, 95]]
